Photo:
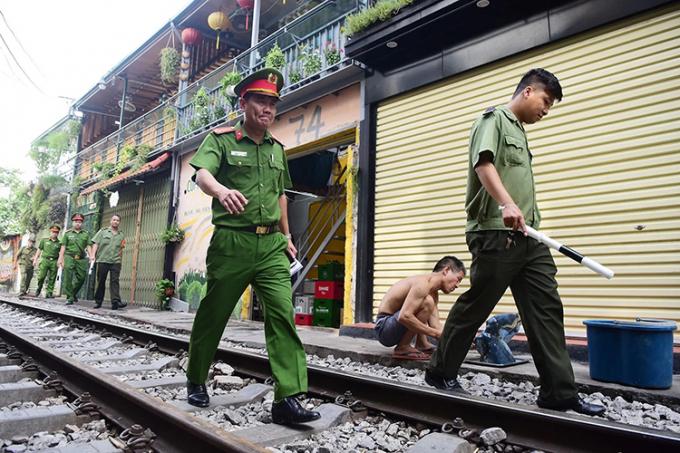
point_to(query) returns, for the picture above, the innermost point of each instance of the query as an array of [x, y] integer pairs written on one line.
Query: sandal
[[410, 355]]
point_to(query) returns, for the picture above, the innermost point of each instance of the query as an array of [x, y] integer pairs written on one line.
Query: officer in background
[[107, 251], [25, 259], [245, 170], [73, 258], [47, 255]]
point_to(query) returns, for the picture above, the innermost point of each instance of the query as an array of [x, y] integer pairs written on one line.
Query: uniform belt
[[257, 229]]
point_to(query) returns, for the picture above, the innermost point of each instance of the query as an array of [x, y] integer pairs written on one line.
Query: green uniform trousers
[[234, 260], [75, 272], [47, 269], [26, 277], [499, 260]]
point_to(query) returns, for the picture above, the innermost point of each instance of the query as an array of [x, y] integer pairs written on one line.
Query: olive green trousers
[[234, 260]]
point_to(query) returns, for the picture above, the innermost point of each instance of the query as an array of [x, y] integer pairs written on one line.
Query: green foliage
[[294, 77], [381, 11], [16, 201], [48, 151], [227, 83], [194, 292], [275, 57], [164, 290], [169, 64], [189, 288], [230, 79], [311, 61], [202, 111], [172, 234], [331, 54]]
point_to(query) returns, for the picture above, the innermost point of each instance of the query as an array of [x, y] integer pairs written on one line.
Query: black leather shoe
[[575, 404], [442, 383], [288, 411], [197, 395], [97, 305]]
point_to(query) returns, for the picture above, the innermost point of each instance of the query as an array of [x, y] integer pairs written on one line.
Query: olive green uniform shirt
[[26, 255], [499, 132], [49, 248], [75, 243], [109, 246], [259, 172]]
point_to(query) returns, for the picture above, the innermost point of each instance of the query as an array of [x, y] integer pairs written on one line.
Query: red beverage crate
[[303, 319], [324, 289]]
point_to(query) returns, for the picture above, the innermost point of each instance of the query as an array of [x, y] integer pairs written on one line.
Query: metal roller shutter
[[606, 160], [151, 255]]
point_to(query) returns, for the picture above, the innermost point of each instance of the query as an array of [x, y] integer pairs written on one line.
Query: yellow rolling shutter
[[606, 160]]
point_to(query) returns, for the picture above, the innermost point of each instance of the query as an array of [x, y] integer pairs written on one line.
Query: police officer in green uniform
[[47, 255], [108, 253], [74, 257], [25, 259], [500, 202], [245, 170]]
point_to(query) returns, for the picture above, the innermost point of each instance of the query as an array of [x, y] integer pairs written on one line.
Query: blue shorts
[[388, 328]]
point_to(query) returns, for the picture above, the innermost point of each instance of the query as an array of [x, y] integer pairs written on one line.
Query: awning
[[146, 168]]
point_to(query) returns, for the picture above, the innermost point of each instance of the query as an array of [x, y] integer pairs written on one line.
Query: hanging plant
[[275, 57], [164, 291], [169, 64], [172, 234], [229, 80]]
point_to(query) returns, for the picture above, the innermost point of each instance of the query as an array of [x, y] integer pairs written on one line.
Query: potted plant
[[164, 290], [331, 55], [311, 64], [172, 234], [275, 57], [169, 64], [294, 78]]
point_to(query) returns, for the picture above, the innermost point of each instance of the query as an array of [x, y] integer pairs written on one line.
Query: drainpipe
[[120, 119], [255, 35]]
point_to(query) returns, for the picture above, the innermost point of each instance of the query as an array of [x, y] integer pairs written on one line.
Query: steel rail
[[176, 429], [532, 427]]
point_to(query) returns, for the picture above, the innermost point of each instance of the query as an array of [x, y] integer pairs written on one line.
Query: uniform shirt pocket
[[516, 153], [275, 170]]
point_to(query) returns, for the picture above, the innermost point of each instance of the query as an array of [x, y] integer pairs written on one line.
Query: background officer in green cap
[[74, 257], [25, 259], [107, 251], [245, 170], [500, 202], [47, 255]]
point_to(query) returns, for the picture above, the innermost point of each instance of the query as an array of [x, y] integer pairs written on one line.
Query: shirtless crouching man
[[409, 309]]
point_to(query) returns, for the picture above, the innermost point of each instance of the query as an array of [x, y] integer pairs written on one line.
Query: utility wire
[[21, 67], [16, 38]]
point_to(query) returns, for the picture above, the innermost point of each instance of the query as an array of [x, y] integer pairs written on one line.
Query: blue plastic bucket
[[637, 353]]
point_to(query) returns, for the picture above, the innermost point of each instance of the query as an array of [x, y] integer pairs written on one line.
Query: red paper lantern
[[248, 6], [191, 36]]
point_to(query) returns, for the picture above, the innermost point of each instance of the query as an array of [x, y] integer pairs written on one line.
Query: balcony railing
[[182, 117]]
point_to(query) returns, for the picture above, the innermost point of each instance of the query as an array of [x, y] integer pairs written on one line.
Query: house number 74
[[314, 127]]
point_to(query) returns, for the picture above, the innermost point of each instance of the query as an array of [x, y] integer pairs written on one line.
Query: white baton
[[573, 254]]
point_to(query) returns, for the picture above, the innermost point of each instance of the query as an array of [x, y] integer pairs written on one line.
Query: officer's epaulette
[[223, 130], [276, 140], [489, 110]]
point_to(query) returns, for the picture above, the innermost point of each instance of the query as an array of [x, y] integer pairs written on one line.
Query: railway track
[[417, 406]]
